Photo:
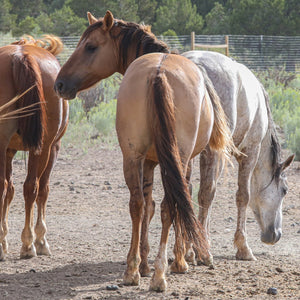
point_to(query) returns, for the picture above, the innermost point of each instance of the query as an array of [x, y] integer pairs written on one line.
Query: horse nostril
[[59, 86]]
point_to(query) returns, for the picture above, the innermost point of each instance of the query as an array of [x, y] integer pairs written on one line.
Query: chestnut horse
[[29, 66], [167, 112]]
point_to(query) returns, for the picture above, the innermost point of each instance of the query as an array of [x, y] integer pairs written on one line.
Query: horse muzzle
[[271, 236], [65, 89]]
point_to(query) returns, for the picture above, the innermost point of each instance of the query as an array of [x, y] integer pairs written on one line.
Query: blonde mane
[[51, 43]]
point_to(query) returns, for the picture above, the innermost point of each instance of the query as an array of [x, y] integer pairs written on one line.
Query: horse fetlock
[[27, 251], [145, 269], [5, 245]]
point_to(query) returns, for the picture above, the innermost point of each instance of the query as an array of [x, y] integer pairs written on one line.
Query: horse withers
[[262, 183], [29, 66], [166, 113]]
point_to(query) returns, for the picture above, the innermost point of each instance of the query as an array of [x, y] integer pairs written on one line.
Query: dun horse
[[261, 175], [29, 66], [167, 112]]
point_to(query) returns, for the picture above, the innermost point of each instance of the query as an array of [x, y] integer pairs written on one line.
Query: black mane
[[144, 41]]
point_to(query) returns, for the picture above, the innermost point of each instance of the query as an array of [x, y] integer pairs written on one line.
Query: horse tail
[[54, 44], [27, 77], [221, 137], [177, 195]]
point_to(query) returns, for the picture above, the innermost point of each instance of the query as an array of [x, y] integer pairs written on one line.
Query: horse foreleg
[[9, 196], [41, 244], [246, 167], [158, 281], [148, 214], [133, 172]]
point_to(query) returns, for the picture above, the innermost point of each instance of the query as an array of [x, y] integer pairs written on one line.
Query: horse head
[[266, 203], [107, 46]]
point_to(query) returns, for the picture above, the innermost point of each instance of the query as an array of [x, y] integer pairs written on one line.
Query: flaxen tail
[[221, 137], [174, 182], [26, 74]]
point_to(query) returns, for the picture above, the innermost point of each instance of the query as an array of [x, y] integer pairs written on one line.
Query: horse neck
[[264, 170], [140, 44]]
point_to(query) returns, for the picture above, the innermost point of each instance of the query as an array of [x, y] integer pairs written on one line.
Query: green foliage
[[27, 25], [66, 23], [89, 128], [217, 21], [180, 16], [68, 17], [103, 117], [285, 106]]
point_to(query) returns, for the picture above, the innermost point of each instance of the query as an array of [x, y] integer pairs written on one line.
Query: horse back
[[240, 94], [187, 90], [34, 70]]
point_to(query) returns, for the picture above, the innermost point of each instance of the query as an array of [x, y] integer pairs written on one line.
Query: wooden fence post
[[227, 44], [192, 40]]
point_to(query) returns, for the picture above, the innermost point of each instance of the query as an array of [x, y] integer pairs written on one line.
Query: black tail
[[26, 74], [175, 186]]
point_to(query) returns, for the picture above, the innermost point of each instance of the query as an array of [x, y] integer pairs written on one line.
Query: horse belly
[[16, 143]]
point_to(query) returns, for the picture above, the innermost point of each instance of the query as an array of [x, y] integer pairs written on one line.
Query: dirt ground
[[89, 231]]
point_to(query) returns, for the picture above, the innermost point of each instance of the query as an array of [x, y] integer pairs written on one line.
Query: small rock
[[279, 270], [106, 183], [272, 291], [239, 288], [220, 291], [298, 231], [32, 271], [175, 294], [112, 287]]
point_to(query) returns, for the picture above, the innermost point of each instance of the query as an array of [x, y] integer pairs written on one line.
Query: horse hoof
[[207, 261], [27, 252], [131, 279], [145, 270], [190, 257], [245, 255], [2, 256], [42, 248], [158, 285], [179, 268]]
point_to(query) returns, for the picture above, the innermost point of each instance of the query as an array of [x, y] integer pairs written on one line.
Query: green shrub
[[285, 106]]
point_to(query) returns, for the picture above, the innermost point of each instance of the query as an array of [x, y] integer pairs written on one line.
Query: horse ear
[[287, 162], [108, 21], [91, 18]]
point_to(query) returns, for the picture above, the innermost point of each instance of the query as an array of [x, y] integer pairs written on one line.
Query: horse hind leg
[[41, 244], [148, 214], [158, 281], [36, 166], [133, 173], [246, 167], [9, 196]]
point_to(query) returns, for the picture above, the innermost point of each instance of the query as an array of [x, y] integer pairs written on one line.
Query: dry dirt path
[[89, 234]]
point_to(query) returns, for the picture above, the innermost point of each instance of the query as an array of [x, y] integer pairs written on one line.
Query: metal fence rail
[[256, 52]]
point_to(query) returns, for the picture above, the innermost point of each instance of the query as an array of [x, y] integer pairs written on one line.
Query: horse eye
[[90, 48]]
